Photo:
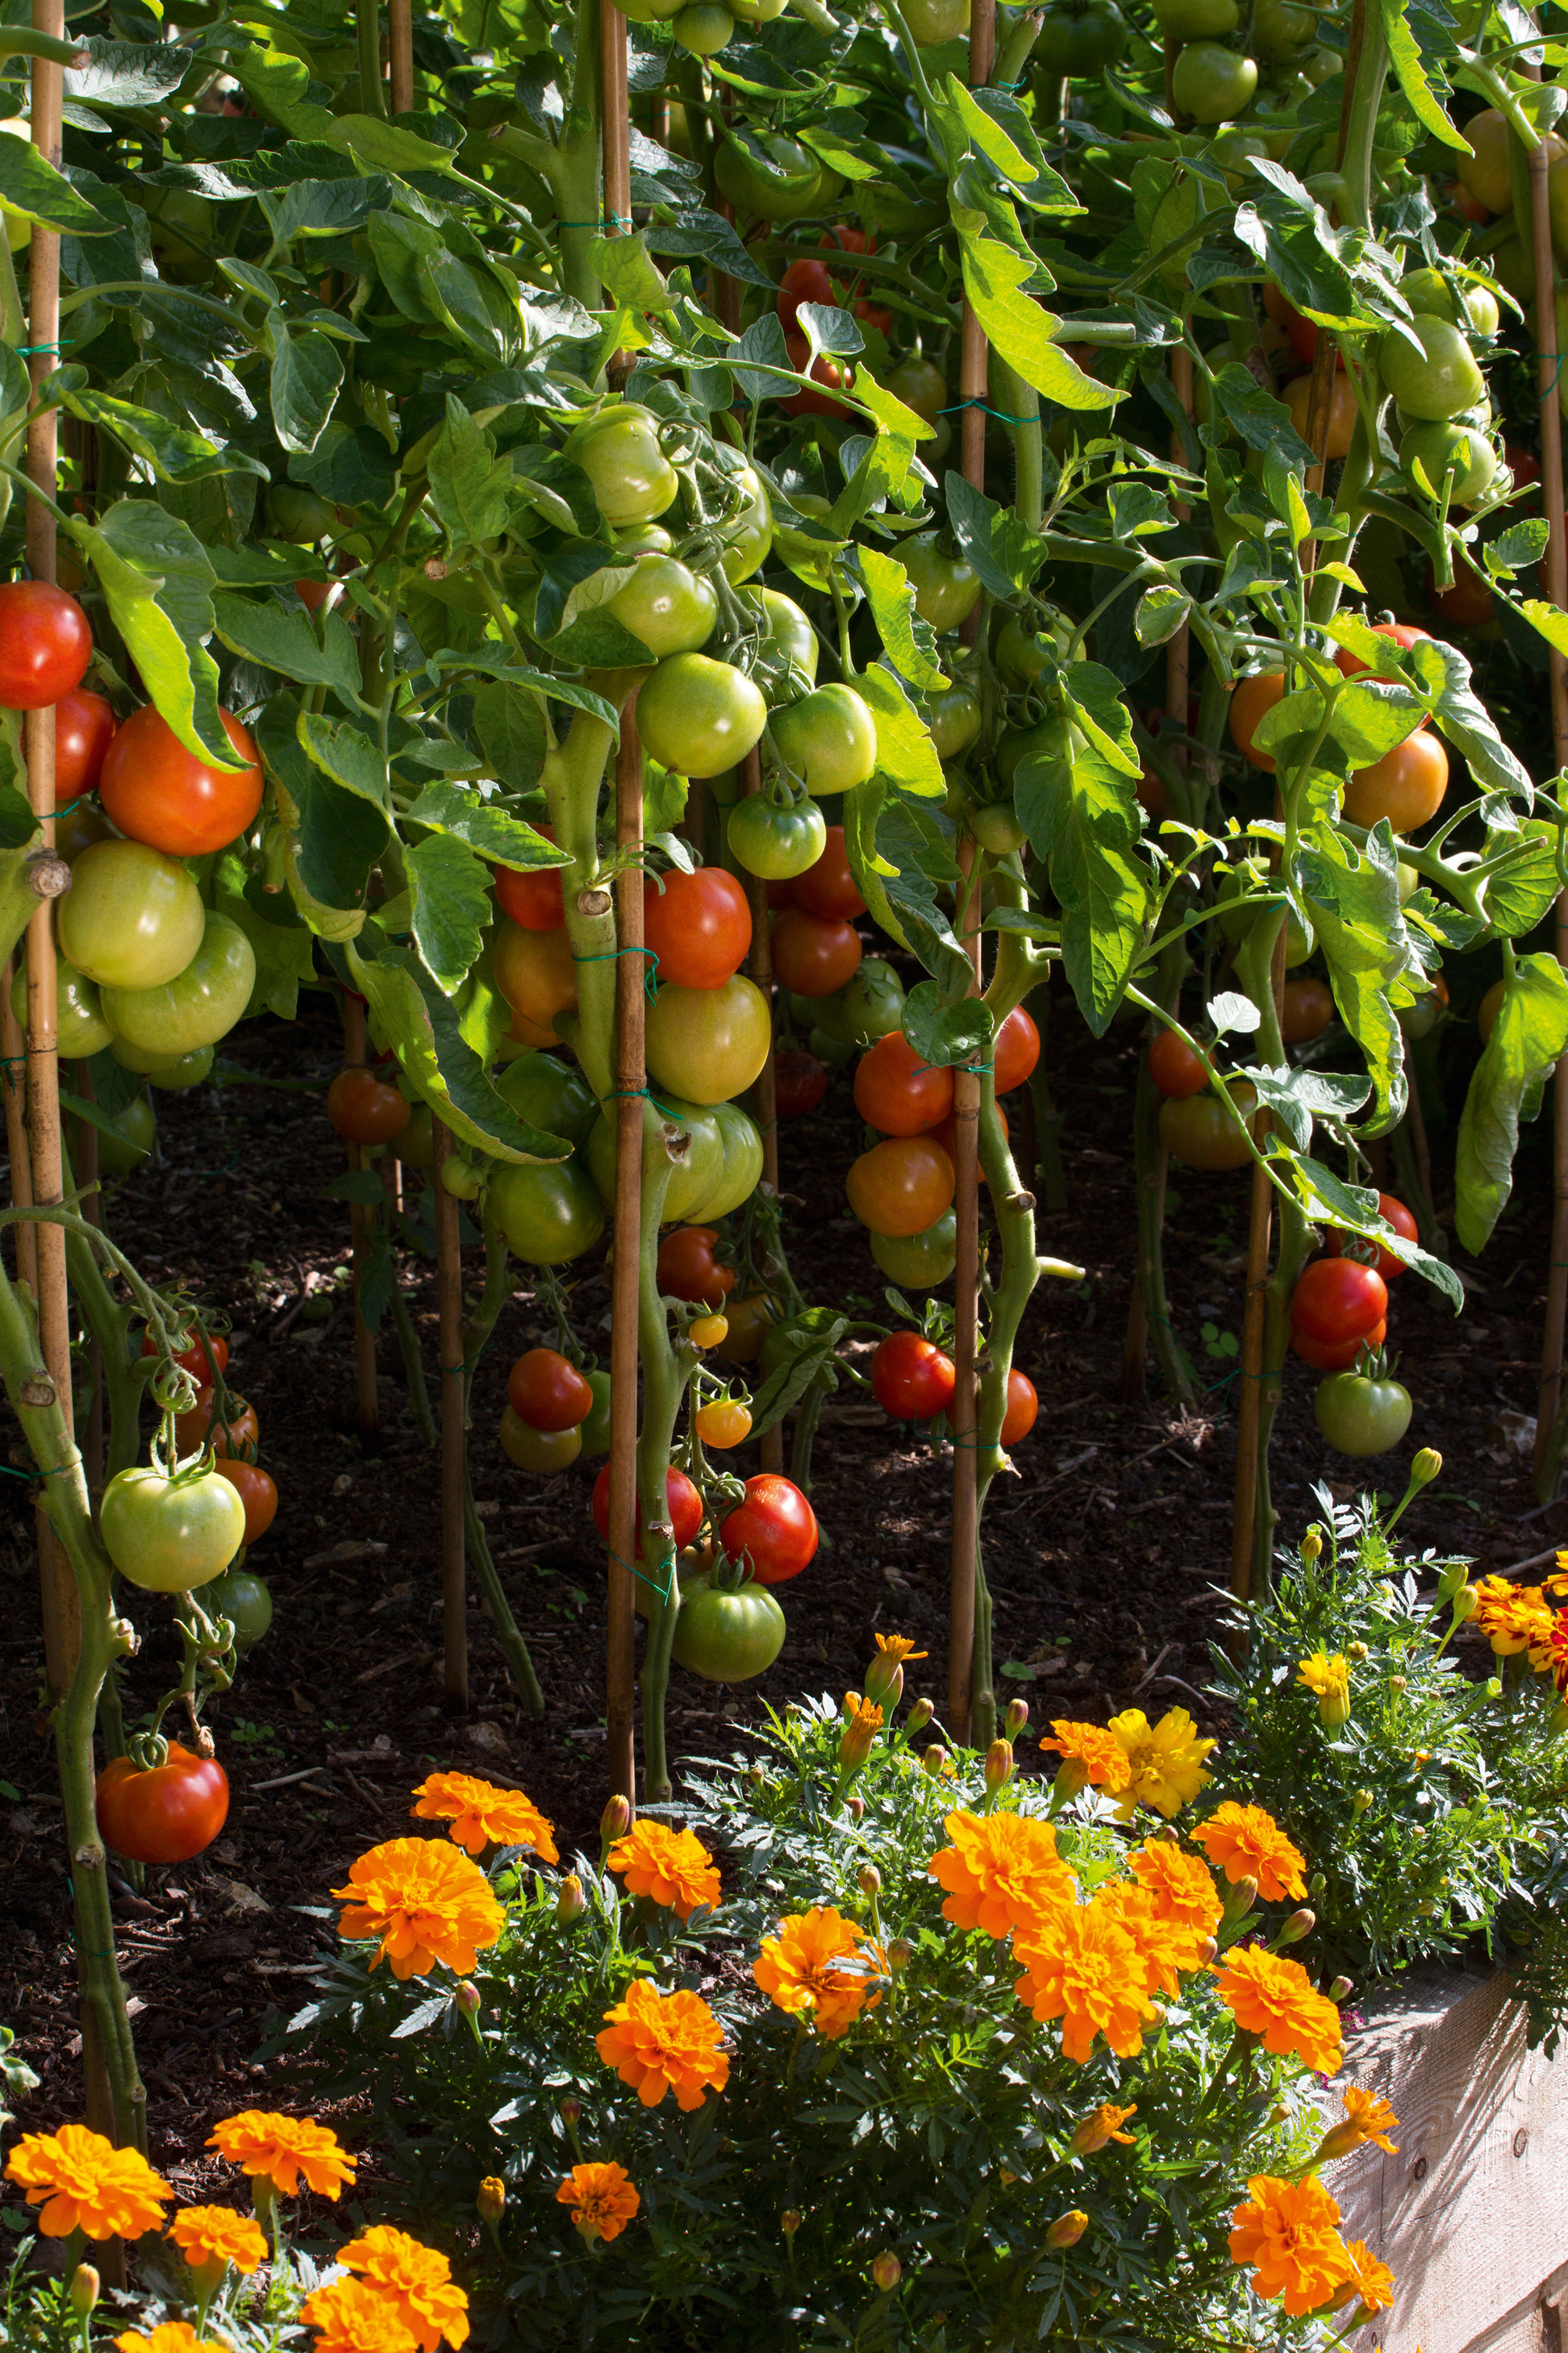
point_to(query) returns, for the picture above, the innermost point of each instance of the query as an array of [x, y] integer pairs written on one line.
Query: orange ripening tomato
[[902, 1187], [688, 1268], [256, 1490], [365, 1109], [536, 973], [699, 926], [1406, 786], [1016, 1051], [1303, 332], [1306, 1009], [1023, 1405], [1467, 605], [84, 730], [814, 954], [1342, 413], [157, 792], [534, 901], [827, 889], [197, 1427], [897, 1092], [722, 1423], [1253, 697]]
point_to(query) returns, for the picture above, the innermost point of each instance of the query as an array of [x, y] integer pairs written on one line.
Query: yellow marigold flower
[[169, 2337], [1273, 1998], [1288, 2234], [863, 1721], [1367, 2281], [283, 2148], [426, 1902], [821, 1966], [477, 1814], [897, 1648], [1182, 1886], [999, 1869], [1248, 1843], [1164, 1760], [350, 2318], [1100, 2127], [604, 2200], [1099, 1758], [673, 1867], [417, 2281], [664, 2042], [1164, 1945], [82, 2182], [1083, 1967], [210, 2238], [1328, 1679]]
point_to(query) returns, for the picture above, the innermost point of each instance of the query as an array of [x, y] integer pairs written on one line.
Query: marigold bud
[[570, 1901], [1467, 1601], [790, 2221], [919, 1715], [1240, 1898], [616, 1819], [1311, 1545], [84, 2290], [1004, 2176], [1361, 1801], [1073, 1777], [871, 1879], [999, 1764], [887, 2271], [1207, 1951], [899, 1953], [885, 1681], [934, 1761], [1068, 2229], [1016, 1717], [467, 1997], [1339, 1988], [490, 2199], [571, 2113], [856, 1809], [1100, 2127], [1396, 1682], [1300, 1924], [1357, 1651], [1425, 1466]]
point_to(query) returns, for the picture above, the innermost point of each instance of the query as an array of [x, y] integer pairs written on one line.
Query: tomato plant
[[228, 1429], [708, 1044], [161, 1813]]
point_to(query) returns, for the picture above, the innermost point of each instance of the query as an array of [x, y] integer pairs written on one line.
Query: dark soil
[[1103, 1556]]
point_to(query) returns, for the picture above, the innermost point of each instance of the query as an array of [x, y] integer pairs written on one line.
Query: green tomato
[[727, 1636], [757, 12], [1361, 1414], [595, 1431], [774, 177], [1282, 29], [416, 1146], [741, 1171], [787, 656], [867, 1006], [173, 1073], [749, 532], [827, 740], [168, 1536], [1431, 295], [918, 1262], [1212, 84], [931, 22], [708, 1044], [672, 610], [460, 1178], [998, 828], [181, 230], [1020, 655], [838, 1052], [1077, 40], [921, 386], [1196, 20], [547, 1212], [1439, 447], [775, 841], [650, 12], [543, 1451], [946, 587], [245, 1600], [295, 514], [1438, 381], [954, 719], [552, 1094], [703, 28], [199, 1006], [131, 919], [81, 1027], [697, 717], [619, 451], [135, 1132], [695, 1173]]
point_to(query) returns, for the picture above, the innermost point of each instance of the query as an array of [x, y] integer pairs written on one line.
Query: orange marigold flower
[[82, 2182], [1084, 1968], [999, 1869], [862, 1723], [349, 2316], [672, 1866], [1288, 2234], [1100, 2127], [1367, 2281], [1164, 1945], [1248, 1843], [821, 1966], [1549, 1650], [1272, 1996], [210, 2238], [417, 2281], [1511, 1616], [283, 2148], [1182, 1886], [1366, 2118], [664, 2042], [169, 2337], [605, 2198], [897, 1648], [477, 1814], [426, 1903], [1099, 1755]]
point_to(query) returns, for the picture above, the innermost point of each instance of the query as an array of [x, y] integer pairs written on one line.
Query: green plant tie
[[976, 402], [606, 220], [642, 1575], [613, 955], [28, 350], [53, 1473]]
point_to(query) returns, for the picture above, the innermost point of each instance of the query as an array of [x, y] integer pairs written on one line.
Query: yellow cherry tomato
[[724, 1423], [707, 1330]]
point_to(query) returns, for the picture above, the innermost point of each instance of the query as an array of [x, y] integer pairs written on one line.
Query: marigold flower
[[417, 2281], [349, 2316], [426, 1903], [1289, 2233], [1329, 1680], [82, 2182], [169, 2337], [477, 1814], [863, 1721], [1182, 1886], [1100, 2127], [1366, 2118], [999, 1869], [605, 2198], [1245, 1842], [885, 1675], [1100, 1760], [1273, 1998], [821, 1966], [1512, 1617], [211, 2237], [1164, 1760], [282, 2148], [1164, 1945], [673, 1867], [490, 2199], [1083, 1967], [1549, 1650], [1367, 2281], [664, 2042]]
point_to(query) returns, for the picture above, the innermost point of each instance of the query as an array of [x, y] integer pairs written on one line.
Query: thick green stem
[[1020, 404], [1149, 1183], [573, 168], [476, 1334], [663, 1386], [123, 1376], [1051, 1176], [367, 20], [573, 775]]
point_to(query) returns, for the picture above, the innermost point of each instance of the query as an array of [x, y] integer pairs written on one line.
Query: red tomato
[[1337, 1299], [545, 1389], [534, 901], [1306, 1009], [1467, 605], [1399, 633], [780, 894], [875, 314], [312, 594], [1335, 1356], [1394, 1213], [159, 793], [910, 1378], [688, 1268], [698, 926], [824, 371], [197, 1427], [827, 889], [684, 1506], [814, 954], [84, 730], [1017, 1049], [1254, 697], [897, 1092], [847, 239], [806, 280], [1175, 1070], [800, 1081], [1153, 797], [1023, 1405], [256, 1490], [365, 1109], [45, 644], [776, 1528], [166, 1814], [195, 1359]]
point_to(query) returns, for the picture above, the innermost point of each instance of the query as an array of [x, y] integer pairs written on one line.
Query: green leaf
[[1254, 415], [1160, 614], [285, 954], [942, 1034], [1096, 702], [1528, 1034], [452, 909], [307, 370], [1519, 895], [422, 1027], [350, 465], [1405, 56], [1329, 1200], [1546, 621], [998, 545], [510, 724], [386, 146], [31, 184], [286, 642], [158, 583], [1081, 809], [174, 453], [503, 839], [1371, 716], [993, 276], [902, 863], [346, 755], [1442, 672], [1298, 1096], [467, 488], [905, 753], [277, 85], [1353, 901], [911, 642]]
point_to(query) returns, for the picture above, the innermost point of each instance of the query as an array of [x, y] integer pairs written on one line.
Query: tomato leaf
[[1528, 1034], [1096, 704], [1256, 419], [819, 1331], [1353, 900], [511, 729], [942, 1034], [175, 454], [1405, 55], [286, 641], [422, 1027], [1296, 1096], [911, 643], [1021, 329], [345, 754], [388, 146], [1081, 809], [1442, 672], [995, 540], [154, 573], [452, 908], [467, 488], [1329, 1200], [1519, 895], [31, 184], [905, 754], [502, 838], [306, 371], [902, 861], [1372, 715]]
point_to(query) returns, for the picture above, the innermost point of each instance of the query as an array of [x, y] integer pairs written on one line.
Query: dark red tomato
[[812, 954], [534, 901], [804, 282], [1303, 332], [365, 1109], [1306, 1009], [84, 730], [1175, 1070], [1023, 1405], [1393, 1213], [898, 1094], [824, 371], [256, 1490], [166, 1814], [874, 314], [827, 889], [775, 1528], [800, 1081], [845, 239], [1337, 1300], [159, 793], [688, 1268], [1335, 1356], [312, 594], [545, 1389], [45, 644], [196, 1360], [780, 894], [699, 926], [1017, 1051], [684, 1506], [910, 1378], [199, 1425]]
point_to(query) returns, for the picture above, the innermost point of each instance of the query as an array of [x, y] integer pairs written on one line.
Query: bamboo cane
[[85, 1169], [358, 1228], [454, 1483], [400, 37], [13, 1051]]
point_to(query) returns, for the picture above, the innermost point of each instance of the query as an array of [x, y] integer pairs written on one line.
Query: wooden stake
[[400, 38], [359, 1227], [760, 969], [454, 1556], [14, 1048], [631, 1079]]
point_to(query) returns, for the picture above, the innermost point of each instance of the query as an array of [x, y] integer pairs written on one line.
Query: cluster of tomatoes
[[1406, 785], [912, 1379], [554, 1412]]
